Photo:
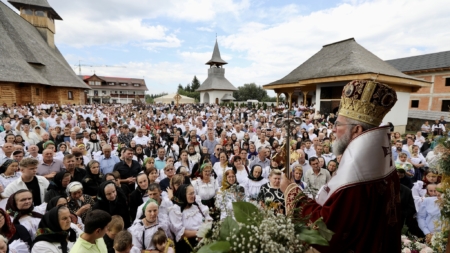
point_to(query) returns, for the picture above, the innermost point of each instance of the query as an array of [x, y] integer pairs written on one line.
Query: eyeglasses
[[337, 123]]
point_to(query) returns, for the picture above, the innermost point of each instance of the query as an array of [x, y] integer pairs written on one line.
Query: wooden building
[[32, 69], [320, 79], [116, 90]]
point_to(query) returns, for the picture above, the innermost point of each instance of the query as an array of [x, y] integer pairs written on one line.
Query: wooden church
[[32, 69]]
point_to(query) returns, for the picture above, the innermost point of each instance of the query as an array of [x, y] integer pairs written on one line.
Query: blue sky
[[168, 42]]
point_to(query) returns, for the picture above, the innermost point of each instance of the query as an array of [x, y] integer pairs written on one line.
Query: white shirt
[[252, 188], [141, 140], [204, 190]]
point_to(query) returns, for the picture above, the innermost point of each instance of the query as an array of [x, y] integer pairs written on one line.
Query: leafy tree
[[188, 88], [250, 91], [195, 84], [180, 87]]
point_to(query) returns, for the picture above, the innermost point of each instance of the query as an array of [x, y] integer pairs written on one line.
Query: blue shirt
[[159, 164], [395, 153], [429, 216], [107, 164]]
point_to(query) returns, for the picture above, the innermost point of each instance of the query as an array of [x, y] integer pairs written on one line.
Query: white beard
[[340, 144]]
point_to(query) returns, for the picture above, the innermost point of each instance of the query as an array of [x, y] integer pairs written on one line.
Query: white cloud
[[389, 29]]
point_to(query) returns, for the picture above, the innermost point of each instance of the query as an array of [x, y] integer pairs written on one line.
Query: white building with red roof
[[116, 90]]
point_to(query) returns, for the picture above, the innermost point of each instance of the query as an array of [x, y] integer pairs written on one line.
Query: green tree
[[250, 91], [188, 88], [180, 87], [195, 84]]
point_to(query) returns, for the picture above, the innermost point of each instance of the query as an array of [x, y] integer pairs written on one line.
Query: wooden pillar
[[290, 99], [305, 95], [278, 99]]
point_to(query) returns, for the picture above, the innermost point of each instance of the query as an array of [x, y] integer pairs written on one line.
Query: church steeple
[[216, 60], [41, 15]]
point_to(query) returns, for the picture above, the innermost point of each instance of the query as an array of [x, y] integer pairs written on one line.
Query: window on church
[[40, 13], [91, 83], [111, 84], [123, 84], [136, 85], [27, 11], [104, 92], [414, 103], [98, 83], [70, 95]]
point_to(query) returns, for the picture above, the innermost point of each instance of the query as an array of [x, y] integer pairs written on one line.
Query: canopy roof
[[344, 61], [167, 99]]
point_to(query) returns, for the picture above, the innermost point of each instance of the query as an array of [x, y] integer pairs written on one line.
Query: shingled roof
[[216, 75], [427, 62], [117, 81], [27, 58], [39, 3], [341, 58], [216, 58]]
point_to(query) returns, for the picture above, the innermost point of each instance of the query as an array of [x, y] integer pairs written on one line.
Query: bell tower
[[41, 15]]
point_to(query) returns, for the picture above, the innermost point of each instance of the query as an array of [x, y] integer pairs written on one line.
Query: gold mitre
[[367, 101]]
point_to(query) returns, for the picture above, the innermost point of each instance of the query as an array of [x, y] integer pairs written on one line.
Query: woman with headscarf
[[62, 149], [93, 178], [230, 192], [12, 231], [93, 145], [139, 195], [78, 202], [9, 172], [62, 201], [58, 186], [254, 182], [20, 207], [186, 217], [150, 221], [54, 234], [112, 201]]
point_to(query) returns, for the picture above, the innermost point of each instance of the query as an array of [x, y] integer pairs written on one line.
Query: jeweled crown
[[367, 101]]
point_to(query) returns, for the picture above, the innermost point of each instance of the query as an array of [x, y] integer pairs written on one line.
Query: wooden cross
[[177, 98]]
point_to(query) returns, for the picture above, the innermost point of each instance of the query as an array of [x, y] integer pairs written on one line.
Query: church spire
[[216, 59]]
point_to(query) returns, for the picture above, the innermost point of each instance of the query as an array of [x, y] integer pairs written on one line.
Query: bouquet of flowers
[[413, 245], [257, 229]]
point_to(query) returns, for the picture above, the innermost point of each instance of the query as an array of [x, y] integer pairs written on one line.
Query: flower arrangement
[[263, 229], [414, 245]]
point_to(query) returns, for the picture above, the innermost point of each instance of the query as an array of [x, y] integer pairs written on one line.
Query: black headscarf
[[112, 207], [250, 175], [11, 208], [180, 197], [5, 165], [56, 184], [90, 175], [49, 230]]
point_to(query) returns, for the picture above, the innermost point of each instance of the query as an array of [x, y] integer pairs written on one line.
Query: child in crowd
[[403, 164], [114, 227], [123, 242], [162, 243]]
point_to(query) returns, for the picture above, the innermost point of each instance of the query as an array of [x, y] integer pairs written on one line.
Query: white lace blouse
[[142, 235], [205, 191], [252, 188], [219, 172], [242, 176], [190, 219]]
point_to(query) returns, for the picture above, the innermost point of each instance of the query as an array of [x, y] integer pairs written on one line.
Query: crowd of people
[[135, 178]]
